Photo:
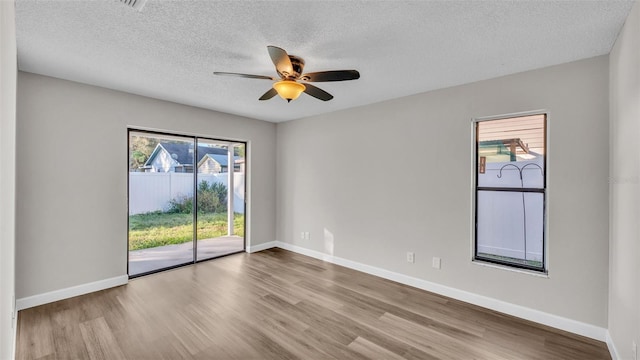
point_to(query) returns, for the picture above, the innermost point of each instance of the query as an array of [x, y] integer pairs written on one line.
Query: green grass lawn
[[158, 229]]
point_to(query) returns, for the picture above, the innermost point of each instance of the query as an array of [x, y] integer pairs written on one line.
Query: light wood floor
[[279, 305]]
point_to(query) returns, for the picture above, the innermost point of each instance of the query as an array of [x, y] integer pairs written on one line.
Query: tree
[[239, 150], [140, 148]]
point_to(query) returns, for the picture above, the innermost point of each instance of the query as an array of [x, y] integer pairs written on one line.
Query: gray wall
[[72, 179], [348, 173], [396, 176], [624, 272], [8, 73]]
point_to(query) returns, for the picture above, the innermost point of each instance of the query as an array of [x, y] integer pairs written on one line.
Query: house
[[178, 157], [69, 237], [216, 163]]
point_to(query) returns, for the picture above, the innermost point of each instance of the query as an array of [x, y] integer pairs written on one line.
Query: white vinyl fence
[[501, 215], [152, 191]]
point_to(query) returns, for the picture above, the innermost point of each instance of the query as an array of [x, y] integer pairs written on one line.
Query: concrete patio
[[146, 260]]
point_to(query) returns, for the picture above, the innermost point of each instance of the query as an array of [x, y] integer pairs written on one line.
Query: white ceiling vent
[[136, 4]]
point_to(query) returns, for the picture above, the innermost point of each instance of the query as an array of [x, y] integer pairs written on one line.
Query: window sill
[[540, 274]]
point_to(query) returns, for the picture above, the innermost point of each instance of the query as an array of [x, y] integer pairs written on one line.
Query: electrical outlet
[[307, 235], [634, 350], [411, 257], [436, 263], [302, 237]]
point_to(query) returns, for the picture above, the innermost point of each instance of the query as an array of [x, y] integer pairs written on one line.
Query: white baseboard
[[56, 295], [537, 316], [260, 247], [612, 347]]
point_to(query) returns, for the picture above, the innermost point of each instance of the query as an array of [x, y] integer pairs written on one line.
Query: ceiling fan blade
[[269, 94], [243, 75], [317, 93], [281, 60], [335, 75]]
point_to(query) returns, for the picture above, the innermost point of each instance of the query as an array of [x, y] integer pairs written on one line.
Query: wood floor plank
[[69, 343], [40, 335], [372, 351], [276, 304], [436, 343], [99, 340]]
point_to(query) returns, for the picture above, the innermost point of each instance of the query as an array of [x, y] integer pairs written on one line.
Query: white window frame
[[544, 271]]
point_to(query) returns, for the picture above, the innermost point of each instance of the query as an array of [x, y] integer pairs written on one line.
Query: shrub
[[212, 198], [182, 204]]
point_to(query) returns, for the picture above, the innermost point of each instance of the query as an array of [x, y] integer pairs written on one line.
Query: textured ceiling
[[170, 49]]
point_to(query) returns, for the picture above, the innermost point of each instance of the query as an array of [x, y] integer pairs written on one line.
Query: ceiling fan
[[289, 68]]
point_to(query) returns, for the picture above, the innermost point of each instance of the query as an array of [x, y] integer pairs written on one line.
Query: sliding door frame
[[194, 210]]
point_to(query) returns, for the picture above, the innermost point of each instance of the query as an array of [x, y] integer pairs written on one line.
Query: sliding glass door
[[220, 189], [186, 200]]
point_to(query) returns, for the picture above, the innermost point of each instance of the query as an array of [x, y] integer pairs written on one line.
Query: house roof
[[506, 144], [223, 160], [183, 153]]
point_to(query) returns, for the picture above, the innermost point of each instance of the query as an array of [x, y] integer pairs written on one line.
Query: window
[[510, 191]]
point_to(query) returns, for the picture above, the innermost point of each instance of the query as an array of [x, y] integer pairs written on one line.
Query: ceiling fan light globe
[[289, 90]]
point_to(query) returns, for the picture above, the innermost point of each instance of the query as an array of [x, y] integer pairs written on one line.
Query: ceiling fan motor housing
[[297, 64]]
